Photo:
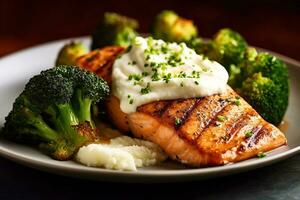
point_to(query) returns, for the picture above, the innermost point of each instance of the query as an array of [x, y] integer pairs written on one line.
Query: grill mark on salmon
[[239, 124], [155, 110], [176, 112], [187, 114], [255, 132], [198, 140], [261, 133], [200, 118]]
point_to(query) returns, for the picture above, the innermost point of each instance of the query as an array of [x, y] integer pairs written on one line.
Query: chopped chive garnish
[[248, 134], [221, 118], [146, 90], [167, 77], [178, 121], [261, 155], [238, 102]]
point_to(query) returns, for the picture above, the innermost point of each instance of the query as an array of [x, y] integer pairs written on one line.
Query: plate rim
[[153, 173]]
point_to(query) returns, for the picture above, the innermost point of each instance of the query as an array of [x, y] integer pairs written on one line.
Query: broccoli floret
[[201, 46], [266, 97], [270, 67], [261, 78], [54, 112], [70, 52], [265, 86], [170, 27], [228, 47], [114, 29], [235, 73]]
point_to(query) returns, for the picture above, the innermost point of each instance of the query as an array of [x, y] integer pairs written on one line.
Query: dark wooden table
[[274, 25]]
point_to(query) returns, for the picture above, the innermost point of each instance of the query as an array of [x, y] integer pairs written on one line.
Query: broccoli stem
[[43, 130], [66, 118], [65, 122], [84, 108]]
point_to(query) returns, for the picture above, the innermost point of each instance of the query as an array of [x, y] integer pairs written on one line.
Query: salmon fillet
[[208, 131]]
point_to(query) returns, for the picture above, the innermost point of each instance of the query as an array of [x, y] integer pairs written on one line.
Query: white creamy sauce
[[153, 70]]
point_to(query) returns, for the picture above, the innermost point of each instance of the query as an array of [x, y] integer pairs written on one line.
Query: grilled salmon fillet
[[208, 131]]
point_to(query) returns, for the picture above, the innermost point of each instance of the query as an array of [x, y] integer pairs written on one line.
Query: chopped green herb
[[128, 96], [261, 155], [167, 77], [155, 76], [146, 90], [178, 121], [196, 82], [248, 134], [145, 74], [164, 49], [150, 41], [135, 77], [238, 102], [131, 101], [181, 84], [182, 74], [221, 118], [152, 64]]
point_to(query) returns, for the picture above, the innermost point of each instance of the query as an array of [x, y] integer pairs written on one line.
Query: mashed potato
[[122, 153]]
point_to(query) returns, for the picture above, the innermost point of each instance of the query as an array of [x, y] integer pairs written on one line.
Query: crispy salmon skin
[[209, 131]]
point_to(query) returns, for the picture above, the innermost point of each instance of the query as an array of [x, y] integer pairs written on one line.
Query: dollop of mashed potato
[[122, 153]]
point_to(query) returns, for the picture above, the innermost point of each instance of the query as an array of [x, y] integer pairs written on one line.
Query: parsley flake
[[146, 90], [178, 121], [248, 134], [221, 118], [261, 155]]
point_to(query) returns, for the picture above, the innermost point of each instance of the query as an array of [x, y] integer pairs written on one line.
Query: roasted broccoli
[[235, 76], [170, 27], [201, 46], [264, 82], [69, 53], [114, 29], [229, 47], [261, 78], [54, 112]]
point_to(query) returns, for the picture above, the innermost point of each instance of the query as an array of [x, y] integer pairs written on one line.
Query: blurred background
[[274, 25]]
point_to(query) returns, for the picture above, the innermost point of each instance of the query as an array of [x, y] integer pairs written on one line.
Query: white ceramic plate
[[17, 68]]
